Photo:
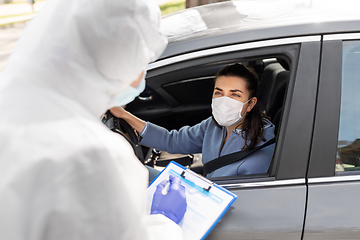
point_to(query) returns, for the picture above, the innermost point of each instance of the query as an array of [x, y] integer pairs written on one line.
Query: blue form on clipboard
[[207, 202]]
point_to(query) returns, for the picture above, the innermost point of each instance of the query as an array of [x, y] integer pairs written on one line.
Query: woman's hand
[[135, 122], [119, 112]]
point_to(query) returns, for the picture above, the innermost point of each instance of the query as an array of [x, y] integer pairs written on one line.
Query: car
[[307, 56]]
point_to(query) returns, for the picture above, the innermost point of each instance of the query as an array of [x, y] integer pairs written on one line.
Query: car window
[[348, 152], [184, 88], [193, 89]]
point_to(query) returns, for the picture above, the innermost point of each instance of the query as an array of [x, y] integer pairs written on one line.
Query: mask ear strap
[[242, 117], [246, 103]]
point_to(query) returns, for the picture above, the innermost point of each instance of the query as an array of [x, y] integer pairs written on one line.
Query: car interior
[[183, 96]]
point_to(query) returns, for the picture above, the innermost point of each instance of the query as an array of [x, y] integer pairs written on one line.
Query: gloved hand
[[173, 204]]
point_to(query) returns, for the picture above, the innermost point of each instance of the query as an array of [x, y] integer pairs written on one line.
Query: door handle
[[148, 98]]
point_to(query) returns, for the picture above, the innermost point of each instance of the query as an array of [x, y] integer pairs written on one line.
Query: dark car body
[[303, 52]]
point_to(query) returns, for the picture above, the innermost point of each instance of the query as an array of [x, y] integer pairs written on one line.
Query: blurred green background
[[172, 6]]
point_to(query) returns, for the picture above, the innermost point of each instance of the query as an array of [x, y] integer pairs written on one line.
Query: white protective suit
[[63, 174]]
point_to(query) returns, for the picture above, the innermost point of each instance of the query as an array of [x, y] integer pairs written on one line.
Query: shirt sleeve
[[144, 129], [186, 140]]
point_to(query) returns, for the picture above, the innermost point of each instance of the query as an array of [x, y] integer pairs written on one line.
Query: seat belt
[[232, 158]]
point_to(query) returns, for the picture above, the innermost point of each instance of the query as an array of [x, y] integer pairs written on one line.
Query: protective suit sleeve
[[186, 140], [161, 227], [94, 193]]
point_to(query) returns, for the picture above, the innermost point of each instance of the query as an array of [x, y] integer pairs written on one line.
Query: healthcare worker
[[63, 174]]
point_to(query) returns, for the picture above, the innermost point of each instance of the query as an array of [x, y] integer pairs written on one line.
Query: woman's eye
[[217, 93], [236, 95]]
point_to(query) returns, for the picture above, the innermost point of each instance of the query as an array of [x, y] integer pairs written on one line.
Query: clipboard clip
[[197, 179]]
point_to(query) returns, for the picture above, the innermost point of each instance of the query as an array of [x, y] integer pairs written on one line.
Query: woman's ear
[[252, 103]]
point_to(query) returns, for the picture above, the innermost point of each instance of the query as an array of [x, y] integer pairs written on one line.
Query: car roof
[[240, 21]]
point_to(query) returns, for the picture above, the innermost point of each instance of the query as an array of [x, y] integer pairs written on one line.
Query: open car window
[[181, 94]]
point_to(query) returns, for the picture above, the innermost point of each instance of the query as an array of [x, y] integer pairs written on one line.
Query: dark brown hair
[[252, 125]]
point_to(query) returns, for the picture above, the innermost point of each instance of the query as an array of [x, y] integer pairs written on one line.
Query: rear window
[[348, 152]]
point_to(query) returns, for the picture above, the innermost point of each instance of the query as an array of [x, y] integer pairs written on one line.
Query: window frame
[[292, 149], [326, 129]]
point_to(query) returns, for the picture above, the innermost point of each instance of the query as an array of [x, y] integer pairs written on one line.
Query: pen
[[166, 188]]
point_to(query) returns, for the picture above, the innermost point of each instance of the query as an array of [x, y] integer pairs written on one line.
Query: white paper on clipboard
[[206, 202]]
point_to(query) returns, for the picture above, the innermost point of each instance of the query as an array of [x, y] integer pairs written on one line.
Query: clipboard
[[207, 202]]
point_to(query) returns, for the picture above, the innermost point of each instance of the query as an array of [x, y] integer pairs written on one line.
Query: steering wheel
[[121, 127]]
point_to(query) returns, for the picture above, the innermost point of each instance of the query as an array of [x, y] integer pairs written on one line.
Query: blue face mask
[[128, 94]]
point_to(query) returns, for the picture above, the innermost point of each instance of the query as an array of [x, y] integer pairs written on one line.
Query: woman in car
[[236, 124]]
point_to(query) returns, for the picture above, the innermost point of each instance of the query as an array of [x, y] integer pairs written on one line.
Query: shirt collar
[[238, 131]]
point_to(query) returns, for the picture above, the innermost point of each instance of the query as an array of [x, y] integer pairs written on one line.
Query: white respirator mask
[[227, 111], [128, 94]]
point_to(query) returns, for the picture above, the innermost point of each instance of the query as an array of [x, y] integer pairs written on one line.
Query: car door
[[334, 169], [273, 206], [270, 205]]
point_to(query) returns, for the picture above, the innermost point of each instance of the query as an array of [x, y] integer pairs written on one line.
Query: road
[[11, 33]]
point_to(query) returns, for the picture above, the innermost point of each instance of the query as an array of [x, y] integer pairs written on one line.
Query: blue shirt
[[206, 138]]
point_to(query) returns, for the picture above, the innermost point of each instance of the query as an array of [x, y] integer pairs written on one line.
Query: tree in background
[[194, 3]]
